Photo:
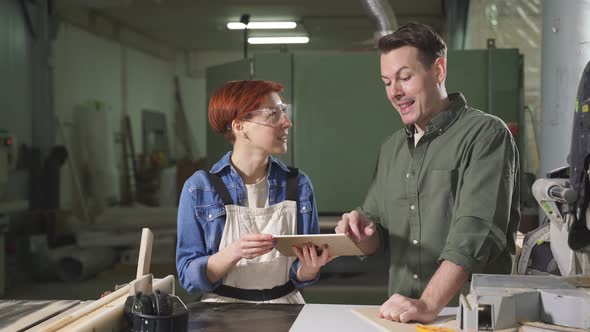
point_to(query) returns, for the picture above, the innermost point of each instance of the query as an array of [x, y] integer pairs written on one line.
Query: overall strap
[[220, 188], [291, 193]]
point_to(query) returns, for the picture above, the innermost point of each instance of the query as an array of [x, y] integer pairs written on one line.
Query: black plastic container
[[177, 321]]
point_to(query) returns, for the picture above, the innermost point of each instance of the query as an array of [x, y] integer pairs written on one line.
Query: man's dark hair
[[429, 43]]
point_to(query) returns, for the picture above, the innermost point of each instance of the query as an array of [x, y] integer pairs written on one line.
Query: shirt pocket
[[440, 182], [209, 213], [212, 220], [305, 207]]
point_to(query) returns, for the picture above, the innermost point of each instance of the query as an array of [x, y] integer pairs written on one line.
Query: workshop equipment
[[156, 312], [106, 313], [500, 301]]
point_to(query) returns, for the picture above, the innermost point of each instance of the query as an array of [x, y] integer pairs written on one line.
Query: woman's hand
[[251, 246], [310, 261]]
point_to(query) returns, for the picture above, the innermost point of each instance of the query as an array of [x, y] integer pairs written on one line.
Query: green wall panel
[[217, 76], [342, 116], [491, 80], [277, 67]]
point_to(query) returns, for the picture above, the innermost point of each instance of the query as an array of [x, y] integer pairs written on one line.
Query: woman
[[227, 217]]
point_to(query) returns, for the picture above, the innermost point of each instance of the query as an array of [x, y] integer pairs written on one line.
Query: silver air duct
[[380, 11]]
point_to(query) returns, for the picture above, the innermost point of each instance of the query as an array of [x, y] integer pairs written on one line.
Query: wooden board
[[371, 314], [338, 244], [110, 317], [19, 315]]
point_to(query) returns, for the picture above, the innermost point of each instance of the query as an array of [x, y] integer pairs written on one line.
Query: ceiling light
[[261, 25], [278, 40]]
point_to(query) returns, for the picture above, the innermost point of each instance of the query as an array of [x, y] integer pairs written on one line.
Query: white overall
[[266, 271]]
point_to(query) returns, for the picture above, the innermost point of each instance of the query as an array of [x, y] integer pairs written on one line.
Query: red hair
[[235, 100]]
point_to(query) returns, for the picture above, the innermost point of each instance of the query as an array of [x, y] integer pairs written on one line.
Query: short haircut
[[236, 100], [430, 45]]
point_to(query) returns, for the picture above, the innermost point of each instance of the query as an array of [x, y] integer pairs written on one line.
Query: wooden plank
[[142, 284], [42, 327], [72, 316], [110, 317], [18, 315], [550, 327], [371, 314], [66, 319], [145, 252]]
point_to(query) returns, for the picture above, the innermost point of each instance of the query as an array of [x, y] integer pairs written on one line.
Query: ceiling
[[200, 24]]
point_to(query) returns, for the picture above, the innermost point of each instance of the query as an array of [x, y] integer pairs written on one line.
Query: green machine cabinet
[[492, 80]]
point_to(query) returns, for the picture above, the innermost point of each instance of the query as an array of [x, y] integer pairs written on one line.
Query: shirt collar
[[442, 121], [225, 161]]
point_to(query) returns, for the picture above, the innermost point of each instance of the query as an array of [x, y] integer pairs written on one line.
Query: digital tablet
[[338, 244]]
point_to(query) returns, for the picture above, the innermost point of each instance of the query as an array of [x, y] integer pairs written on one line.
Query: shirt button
[[407, 175], [415, 242], [210, 216], [412, 207], [303, 208], [415, 276]]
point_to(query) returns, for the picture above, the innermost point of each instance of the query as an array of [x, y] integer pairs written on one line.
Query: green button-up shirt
[[454, 196]]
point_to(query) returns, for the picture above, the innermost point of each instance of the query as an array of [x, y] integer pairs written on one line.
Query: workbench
[[244, 317], [212, 317]]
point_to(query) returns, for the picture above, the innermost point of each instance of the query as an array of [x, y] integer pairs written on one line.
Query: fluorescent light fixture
[[278, 40], [261, 25]]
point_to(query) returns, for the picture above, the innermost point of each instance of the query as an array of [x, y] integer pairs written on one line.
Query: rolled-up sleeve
[[482, 215], [191, 249]]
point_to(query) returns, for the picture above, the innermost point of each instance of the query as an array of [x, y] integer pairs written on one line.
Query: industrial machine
[[8, 156], [500, 301], [143, 304]]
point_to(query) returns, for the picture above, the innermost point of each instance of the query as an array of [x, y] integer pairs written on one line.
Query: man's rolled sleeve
[[478, 232]]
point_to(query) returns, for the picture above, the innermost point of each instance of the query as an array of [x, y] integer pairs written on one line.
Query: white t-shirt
[[257, 194]]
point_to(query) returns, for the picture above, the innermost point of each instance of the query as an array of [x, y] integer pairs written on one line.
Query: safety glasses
[[271, 116]]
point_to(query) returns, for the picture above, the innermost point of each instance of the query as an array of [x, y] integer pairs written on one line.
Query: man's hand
[[399, 308], [360, 230], [310, 261], [251, 245]]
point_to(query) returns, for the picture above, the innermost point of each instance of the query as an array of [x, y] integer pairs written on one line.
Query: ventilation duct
[[381, 12]]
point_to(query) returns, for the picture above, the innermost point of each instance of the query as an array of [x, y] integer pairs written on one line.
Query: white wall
[[194, 97], [566, 51], [191, 68], [150, 86], [88, 67], [93, 66]]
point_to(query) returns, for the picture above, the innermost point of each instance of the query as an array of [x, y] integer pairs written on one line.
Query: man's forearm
[[448, 279]]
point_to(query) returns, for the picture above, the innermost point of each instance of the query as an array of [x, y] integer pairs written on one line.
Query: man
[[445, 194]]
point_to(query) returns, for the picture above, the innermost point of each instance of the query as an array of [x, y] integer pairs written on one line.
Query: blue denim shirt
[[201, 218]]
